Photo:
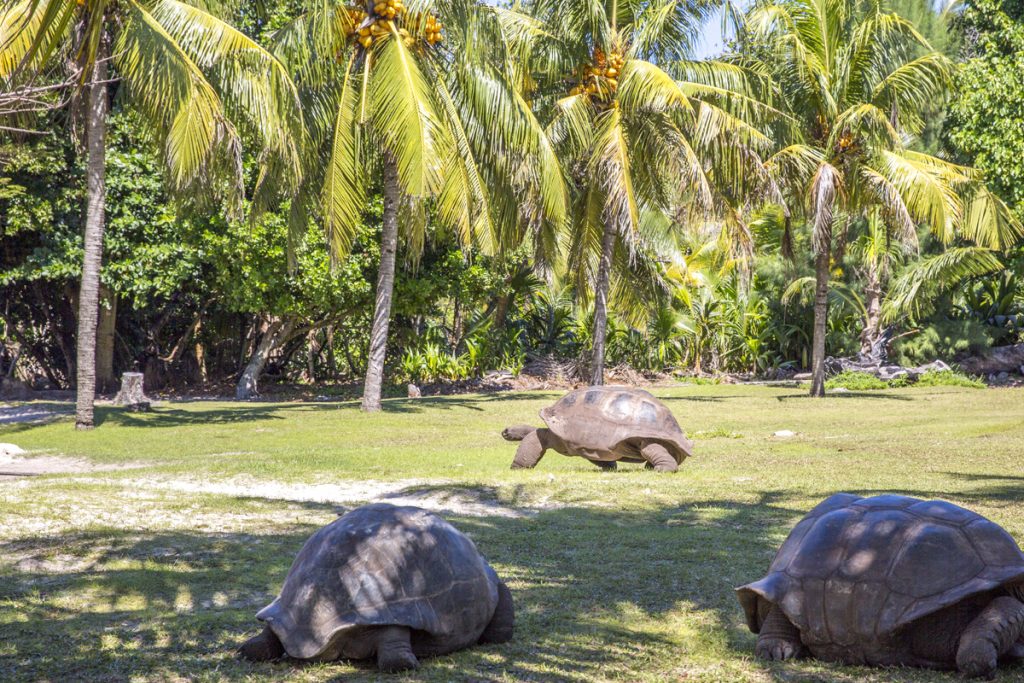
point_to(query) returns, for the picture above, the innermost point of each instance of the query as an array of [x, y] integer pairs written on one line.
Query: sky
[[710, 44]]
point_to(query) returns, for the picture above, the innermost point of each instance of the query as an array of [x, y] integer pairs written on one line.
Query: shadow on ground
[[170, 415], [594, 589]]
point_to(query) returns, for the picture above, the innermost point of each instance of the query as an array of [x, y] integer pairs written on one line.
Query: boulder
[[9, 450], [995, 360]]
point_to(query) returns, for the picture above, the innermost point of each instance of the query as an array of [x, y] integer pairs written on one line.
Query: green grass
[[155, 571]]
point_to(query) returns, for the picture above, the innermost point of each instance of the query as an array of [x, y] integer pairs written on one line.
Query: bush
[[945, 339], [855, 381], [948, 378]]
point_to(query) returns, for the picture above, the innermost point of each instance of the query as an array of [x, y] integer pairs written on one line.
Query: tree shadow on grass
[[175, 604], [981, 489], [594, 591], [168, 415]]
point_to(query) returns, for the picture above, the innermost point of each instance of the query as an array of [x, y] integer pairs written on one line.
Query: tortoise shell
[[855, 570], [383, 565], [614, 420]]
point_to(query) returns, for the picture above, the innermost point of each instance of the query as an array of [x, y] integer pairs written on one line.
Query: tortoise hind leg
[[993, 634], [659, 458], [502, 623], [394, 650], [779, 639], [531, 449], [266, 647]]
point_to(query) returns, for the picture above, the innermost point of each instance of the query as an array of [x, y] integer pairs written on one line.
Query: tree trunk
[[105, 339], [200, 352], [601, 288], [131, 394], [332, 364], [385, 287], [312, 354], [872, 331], [88, 298], [278, 332], [822, 271]]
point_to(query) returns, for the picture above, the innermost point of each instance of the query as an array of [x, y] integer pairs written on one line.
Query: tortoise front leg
[[779, 639], [266, 647], [531, 450], [993, 633], [659, 458], [394, 651], [502, 624]]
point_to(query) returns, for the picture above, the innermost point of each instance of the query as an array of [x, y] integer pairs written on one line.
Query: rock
[[13, 390], [9, 450], [1003, 376], [784, 434], [839, 390], [414, 391], [834, 366], [995, 360], [803, 376]]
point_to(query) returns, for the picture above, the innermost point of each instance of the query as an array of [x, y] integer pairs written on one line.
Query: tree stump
[[131, 395]]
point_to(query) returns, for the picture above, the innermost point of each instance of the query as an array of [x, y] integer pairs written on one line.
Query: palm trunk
[[872, 331], [821, 272], [385, 288], [88, 298], [604, 269]]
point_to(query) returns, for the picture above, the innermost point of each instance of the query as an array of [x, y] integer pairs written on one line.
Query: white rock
[[784, 434], [8, 450]]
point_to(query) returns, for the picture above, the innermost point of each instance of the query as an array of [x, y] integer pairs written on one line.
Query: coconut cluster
[[355, 17], [432, 30], [389, 9], [601, 76], [382, 25]]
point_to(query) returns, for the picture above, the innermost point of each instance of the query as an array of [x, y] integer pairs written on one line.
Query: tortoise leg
[[394, 651], [531, 450], [606, 465], [991, 635], [659, 457], [266, 647], [503, 621], [779, 639], [517, 432]]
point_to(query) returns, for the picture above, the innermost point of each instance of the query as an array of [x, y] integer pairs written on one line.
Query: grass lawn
[[152, 564]]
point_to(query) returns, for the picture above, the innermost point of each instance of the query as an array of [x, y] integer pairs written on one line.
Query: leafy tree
[[987, 108], [195, 79], [417, 96], [855, 80]]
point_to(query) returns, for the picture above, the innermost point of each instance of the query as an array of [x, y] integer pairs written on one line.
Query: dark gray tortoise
[[605, 425], [892, 581], [395, 583]]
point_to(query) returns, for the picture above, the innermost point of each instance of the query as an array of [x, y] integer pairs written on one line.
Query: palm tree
[[854, 79], [418, 96], [647, 151], [198, 83]]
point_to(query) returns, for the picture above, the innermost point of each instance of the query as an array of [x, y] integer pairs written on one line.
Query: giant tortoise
[[395, 583], [605, 425], [892, 581]]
